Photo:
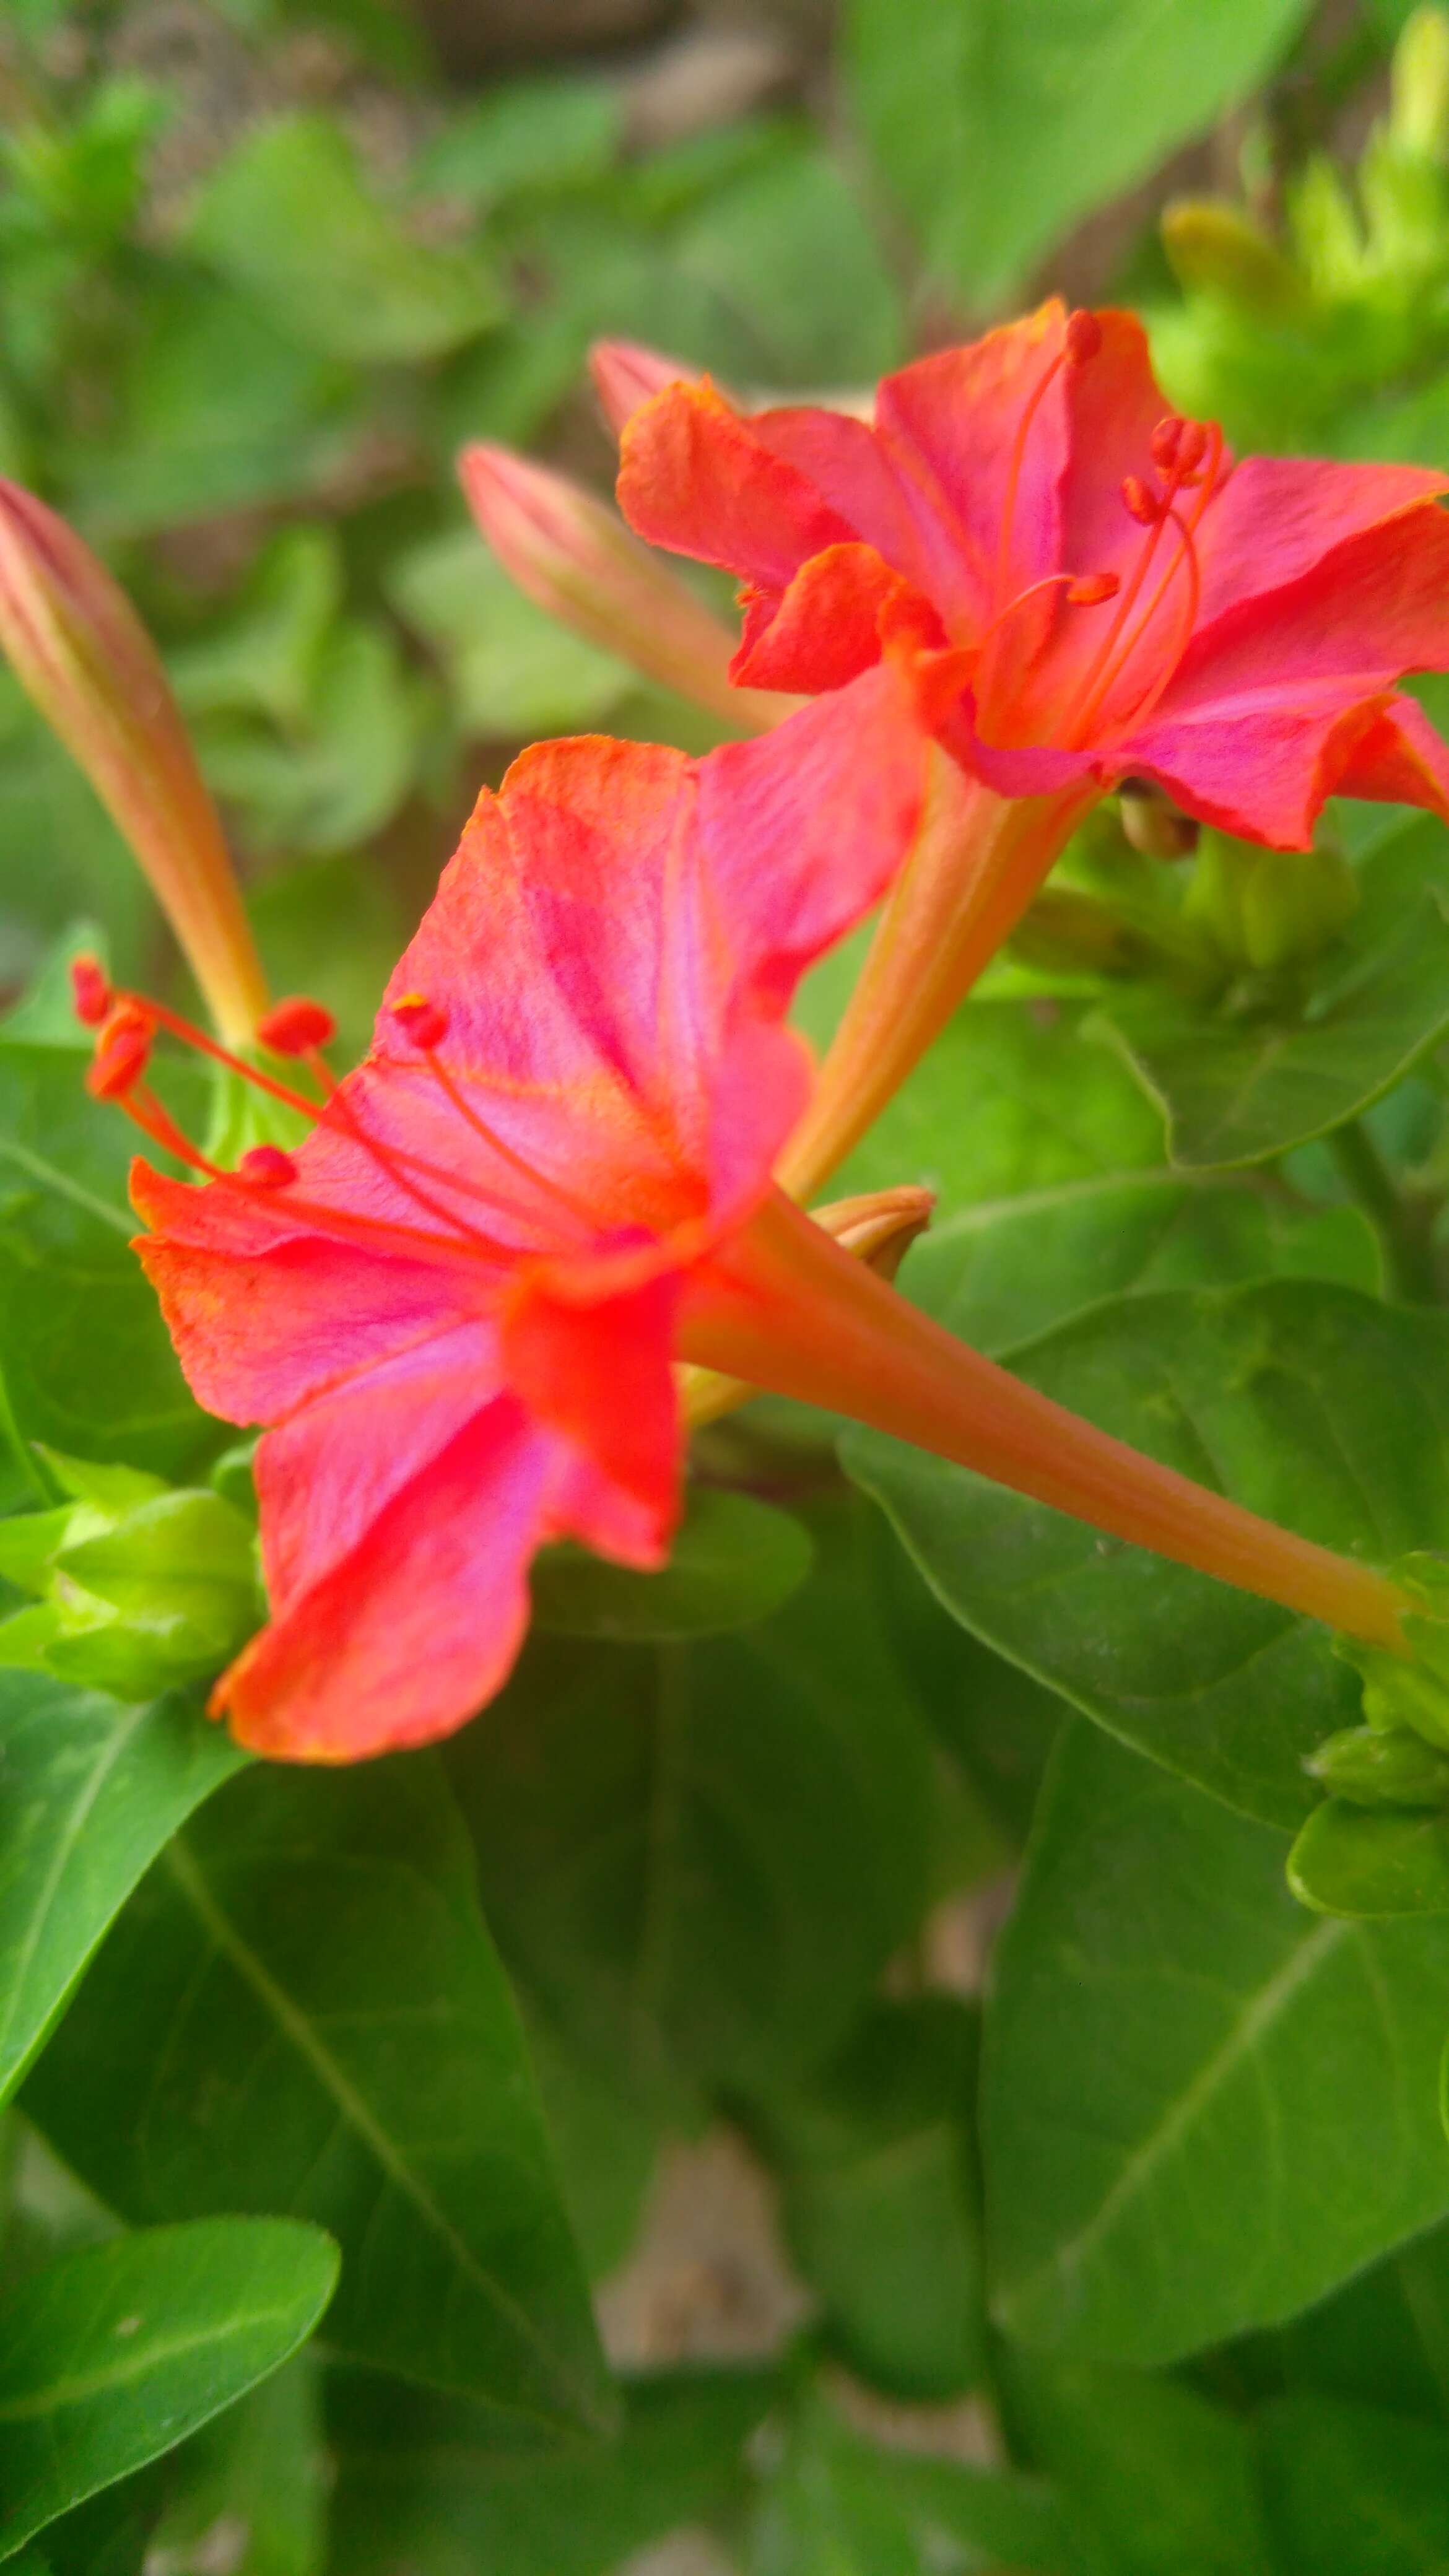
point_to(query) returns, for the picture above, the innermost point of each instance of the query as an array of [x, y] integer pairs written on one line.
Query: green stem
[[1402, 1222]]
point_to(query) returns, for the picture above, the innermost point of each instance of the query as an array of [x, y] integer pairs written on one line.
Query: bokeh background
[[265, 264]]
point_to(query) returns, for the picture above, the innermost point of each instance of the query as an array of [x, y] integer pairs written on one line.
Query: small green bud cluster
[[137, 1585], [1400, 1756], [1264, 910]]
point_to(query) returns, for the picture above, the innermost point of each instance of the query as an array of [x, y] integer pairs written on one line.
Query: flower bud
[[1153, 824], [571, 555], [137, 1585], [1389, 1767], [627, 374], [80, 651], [1419, 87], [1215, 250], [1410, 1691]]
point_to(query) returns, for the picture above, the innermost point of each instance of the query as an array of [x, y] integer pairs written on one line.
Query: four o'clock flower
[[1087, 588], [459, 1306], [79, 649]]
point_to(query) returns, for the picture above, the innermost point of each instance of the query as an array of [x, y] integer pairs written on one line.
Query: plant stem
[[1401, 1224]]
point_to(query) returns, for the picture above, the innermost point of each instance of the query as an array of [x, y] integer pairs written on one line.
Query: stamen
[[421, 1020], [1091, 588], [426, 1024], [1116, 654], [123, 1050], [91, 989], [1081, 340], [1144, 506], [298, 1026], [266, 1167]]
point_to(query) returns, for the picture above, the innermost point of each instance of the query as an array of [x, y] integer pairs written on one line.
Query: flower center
[[126, 1027], [1037, 676]]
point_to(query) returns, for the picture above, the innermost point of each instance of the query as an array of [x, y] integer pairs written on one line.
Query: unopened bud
[[626, 374], [297, 1026], [1392, 1767], [571, 555], [1215, 250], [1419, 86], [80, 651], [1410, 1690], [1153, 824]]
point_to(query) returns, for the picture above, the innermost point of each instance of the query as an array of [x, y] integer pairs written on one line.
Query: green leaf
[[1313, 1405], [423, 2485], [314, 1941], [512, 670], [697, 1860], [1009, 1099], [1154, 2479], [786, 250], [1362, 1861], [1242, 1093], [733, 1562], [526, 134], [1353, 2491], [1005, 1270], [115, 2354], [286, 219], [1382, 2339], [876, 2160], [88, 1365], [833, 2502], [256, 2476], [1202, 2107], [92, 1792], [999, 123]]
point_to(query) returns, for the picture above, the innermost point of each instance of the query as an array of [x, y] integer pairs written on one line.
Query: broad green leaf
[[1383, 2339], [998, 123], [254, 2477], [1011, 1098], [525, 134], [1242, 1093], [287, 219], [423, 2486], [341, 774], [1153, 2478], [313, 1943], [876, 2162], [1315, 1406], [1353, 2491], [1202, 2106], [91, 1793], [734, 1561], [697, 1860], [606, 2140], [511, 669], [1011, 1268], [118, 2352], [787, 250], [831, 2501], [87, 1362], [1369, 1861]]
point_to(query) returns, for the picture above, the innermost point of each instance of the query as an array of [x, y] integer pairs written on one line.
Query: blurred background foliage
[[265, 264]]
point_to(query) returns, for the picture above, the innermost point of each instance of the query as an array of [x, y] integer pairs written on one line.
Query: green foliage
[[114, 2354]]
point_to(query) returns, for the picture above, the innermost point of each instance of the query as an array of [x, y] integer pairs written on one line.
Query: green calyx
[[138, 1585], [1264, 910]]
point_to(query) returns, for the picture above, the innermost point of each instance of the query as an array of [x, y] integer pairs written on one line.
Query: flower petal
[[1370, 608], [695, 476], [420, 1622], [1264, 771], [1277, 517], [598, 1372]]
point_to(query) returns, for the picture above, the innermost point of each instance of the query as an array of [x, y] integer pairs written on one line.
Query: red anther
[[266, 1167], [1165, 440], [296, 1026], [1191, 449], [1091, 588], [123, 1050], [1083, 337], [1144, 506], [91, 990], [421, 1020]]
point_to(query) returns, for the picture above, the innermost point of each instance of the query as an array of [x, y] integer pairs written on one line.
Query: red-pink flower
[[457, 1303], [1086, 587], [1095, 588]]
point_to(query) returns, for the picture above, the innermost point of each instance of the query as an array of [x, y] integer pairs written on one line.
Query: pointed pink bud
[[80, 651], [571, 555], [627, 374]]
